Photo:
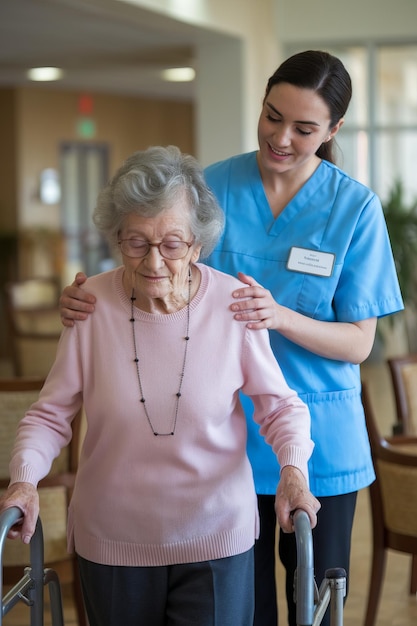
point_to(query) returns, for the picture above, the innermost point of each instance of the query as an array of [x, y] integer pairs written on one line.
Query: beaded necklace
[[184, 360]]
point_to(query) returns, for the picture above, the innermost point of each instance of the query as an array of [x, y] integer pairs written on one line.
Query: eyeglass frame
[[155, 245]]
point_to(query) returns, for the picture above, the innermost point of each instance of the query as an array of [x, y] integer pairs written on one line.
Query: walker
[[311, 603], [29, 589]]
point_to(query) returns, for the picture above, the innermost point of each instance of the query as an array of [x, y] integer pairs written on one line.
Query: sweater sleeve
[[283, 417], [46, 427]]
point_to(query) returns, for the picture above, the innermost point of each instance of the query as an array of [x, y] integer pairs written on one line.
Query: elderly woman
[[164, 513]]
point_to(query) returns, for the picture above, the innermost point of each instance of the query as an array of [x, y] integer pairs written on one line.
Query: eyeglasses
[[139, 248]]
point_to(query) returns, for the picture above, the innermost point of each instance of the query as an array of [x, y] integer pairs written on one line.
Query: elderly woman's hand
[[25, 497], [293, 493]]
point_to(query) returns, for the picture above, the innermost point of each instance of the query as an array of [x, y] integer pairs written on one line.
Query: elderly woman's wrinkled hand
[[292, 494], [25, 497]]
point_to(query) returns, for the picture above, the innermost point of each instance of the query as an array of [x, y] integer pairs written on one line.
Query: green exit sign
[[86, 127]]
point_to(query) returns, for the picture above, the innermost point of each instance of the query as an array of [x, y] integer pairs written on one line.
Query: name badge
[[311, 261]]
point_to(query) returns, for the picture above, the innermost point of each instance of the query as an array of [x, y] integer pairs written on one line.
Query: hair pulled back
[[327, 76]]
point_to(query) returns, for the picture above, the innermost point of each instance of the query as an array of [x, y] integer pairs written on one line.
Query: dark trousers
[[210, 593], [331, 542]]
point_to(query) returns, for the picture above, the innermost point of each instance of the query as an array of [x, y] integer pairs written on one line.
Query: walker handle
[[304, 582]]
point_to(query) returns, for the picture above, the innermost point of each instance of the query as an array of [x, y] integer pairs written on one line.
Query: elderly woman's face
[[154, 276]]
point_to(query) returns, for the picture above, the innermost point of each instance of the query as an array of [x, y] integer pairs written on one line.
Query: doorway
[[84, 171]]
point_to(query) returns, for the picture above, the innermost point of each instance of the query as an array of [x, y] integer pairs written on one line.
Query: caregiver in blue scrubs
[[311, 245]]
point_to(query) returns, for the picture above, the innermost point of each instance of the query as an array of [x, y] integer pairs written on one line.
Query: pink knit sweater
[[146, 500]]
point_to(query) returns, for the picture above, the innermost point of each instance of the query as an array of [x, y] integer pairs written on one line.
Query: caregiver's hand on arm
[[293, 493], [341, 341], [25, 497], [75, 303]]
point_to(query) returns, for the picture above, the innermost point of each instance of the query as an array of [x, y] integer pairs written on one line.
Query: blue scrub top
[[331, 213]]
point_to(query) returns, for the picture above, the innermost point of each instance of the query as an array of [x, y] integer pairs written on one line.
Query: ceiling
[[103, 46]]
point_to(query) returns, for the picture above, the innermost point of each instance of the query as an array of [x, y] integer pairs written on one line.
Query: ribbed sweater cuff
[[292, 455], [23, 474]]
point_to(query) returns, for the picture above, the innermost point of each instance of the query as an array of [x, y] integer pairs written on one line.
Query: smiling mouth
[[278, 152]]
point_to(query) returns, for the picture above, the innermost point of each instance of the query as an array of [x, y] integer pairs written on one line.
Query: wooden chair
[[32, 308], [403, 370], [393, 504], [16, 395]]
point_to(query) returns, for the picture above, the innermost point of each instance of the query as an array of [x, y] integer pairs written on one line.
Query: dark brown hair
[[327, 76]]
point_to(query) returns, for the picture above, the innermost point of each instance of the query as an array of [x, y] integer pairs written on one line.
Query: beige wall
[[237, 50], [337, 20], [33, 124], [8, 164], [46, 118]]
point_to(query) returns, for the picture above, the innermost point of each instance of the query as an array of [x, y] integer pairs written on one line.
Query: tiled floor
[[397, 607]]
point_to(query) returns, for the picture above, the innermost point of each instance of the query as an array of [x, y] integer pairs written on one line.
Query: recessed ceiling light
[[45, 73], [179, 74]]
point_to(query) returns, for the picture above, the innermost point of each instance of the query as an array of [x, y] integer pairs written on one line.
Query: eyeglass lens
[[168, 249]]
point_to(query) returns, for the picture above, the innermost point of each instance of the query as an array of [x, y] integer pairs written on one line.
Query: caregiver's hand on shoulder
[[256, 305], [75, 303]]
